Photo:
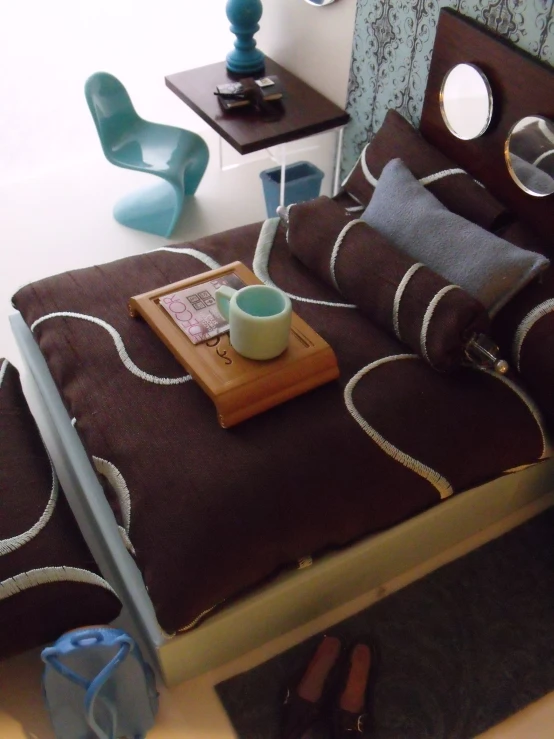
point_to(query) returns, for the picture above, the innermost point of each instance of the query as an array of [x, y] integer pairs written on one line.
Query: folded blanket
[[455, 189], [49, 581], [398, 293]]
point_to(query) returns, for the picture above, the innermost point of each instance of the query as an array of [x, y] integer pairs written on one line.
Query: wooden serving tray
[[240, 388]]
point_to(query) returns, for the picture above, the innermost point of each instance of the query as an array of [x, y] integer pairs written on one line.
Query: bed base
[[292, 599]]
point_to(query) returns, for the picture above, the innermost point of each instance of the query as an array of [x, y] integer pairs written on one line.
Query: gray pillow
[[487, 267]]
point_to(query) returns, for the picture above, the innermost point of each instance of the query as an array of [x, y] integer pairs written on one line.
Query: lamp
[[245, 60]]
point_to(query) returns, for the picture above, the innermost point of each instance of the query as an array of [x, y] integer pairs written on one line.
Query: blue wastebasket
[[302, 182]]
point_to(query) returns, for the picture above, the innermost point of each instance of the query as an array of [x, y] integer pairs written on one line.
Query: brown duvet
[[215, 512], [49, 581]]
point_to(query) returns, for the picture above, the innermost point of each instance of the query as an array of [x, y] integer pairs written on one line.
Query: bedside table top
[[306, 111]]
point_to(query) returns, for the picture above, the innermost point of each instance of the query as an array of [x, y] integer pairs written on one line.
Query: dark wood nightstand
[[305, 111]]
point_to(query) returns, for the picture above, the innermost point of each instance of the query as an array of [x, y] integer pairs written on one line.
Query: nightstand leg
[[283, 148], [336, 180]]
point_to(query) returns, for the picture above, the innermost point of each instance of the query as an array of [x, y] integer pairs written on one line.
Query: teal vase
[[245, 60]]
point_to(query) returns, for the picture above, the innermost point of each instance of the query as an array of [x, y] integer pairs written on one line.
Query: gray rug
[[460, 650]]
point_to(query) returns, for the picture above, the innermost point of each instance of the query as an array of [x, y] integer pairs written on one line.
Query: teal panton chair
[[176, 156]]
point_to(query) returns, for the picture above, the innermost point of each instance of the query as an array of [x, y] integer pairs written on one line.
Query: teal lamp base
[[242, 65], [245, 60]]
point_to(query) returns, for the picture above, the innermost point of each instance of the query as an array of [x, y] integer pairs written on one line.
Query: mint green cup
[[259, 319]]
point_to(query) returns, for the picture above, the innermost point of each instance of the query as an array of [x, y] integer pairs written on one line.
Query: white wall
[[49, 47], [313, 42]]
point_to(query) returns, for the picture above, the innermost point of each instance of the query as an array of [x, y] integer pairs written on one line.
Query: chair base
[[154, 210]]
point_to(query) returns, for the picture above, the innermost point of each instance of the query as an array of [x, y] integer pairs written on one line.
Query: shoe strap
[[354, 721]]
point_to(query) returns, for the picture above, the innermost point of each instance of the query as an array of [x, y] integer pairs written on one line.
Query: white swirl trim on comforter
[[435, 478], [46, 575], [187, 251], [538, 312], [117, 481], [14, 542], [197, 620], [119, 345], [118, 341], [3, 368], [126, 540], [121, 489], [533, 409]]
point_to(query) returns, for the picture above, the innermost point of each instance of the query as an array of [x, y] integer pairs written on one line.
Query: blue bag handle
[[96, 685], [92, 687]]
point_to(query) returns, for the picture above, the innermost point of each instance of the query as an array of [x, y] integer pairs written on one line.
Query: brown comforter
[[214, 512]]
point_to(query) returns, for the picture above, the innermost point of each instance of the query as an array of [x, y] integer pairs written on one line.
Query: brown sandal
[[351, 714], [303, 704]]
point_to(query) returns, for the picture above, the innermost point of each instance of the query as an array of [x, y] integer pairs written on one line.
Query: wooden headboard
[[521, 85]]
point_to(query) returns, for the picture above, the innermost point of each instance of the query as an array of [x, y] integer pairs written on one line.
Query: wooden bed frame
[[299, 597], [520, 84]]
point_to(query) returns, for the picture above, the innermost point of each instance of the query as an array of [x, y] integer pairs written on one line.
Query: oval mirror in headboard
[[466, 101], [529, 152]]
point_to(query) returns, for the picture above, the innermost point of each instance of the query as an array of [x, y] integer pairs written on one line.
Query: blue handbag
[[97, 685]]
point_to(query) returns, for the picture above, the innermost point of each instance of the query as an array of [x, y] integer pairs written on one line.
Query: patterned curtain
[[392, 47]]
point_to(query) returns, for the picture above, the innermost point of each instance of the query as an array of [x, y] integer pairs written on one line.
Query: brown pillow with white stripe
[[455, 188], [435, 318], [49, 581], [524, 328]]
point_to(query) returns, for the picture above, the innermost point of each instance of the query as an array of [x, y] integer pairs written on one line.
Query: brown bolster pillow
[[436, 319], [458, 191], [524, 328]]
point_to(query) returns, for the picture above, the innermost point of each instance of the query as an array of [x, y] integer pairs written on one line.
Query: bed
[[218, 539]]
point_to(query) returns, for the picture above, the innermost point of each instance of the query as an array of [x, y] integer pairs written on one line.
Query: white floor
[[62, 220]]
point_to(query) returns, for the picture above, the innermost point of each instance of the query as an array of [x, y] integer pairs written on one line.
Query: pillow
[[486, 266], [458, 191], [524, 328], [407, 299], [49, 582]]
